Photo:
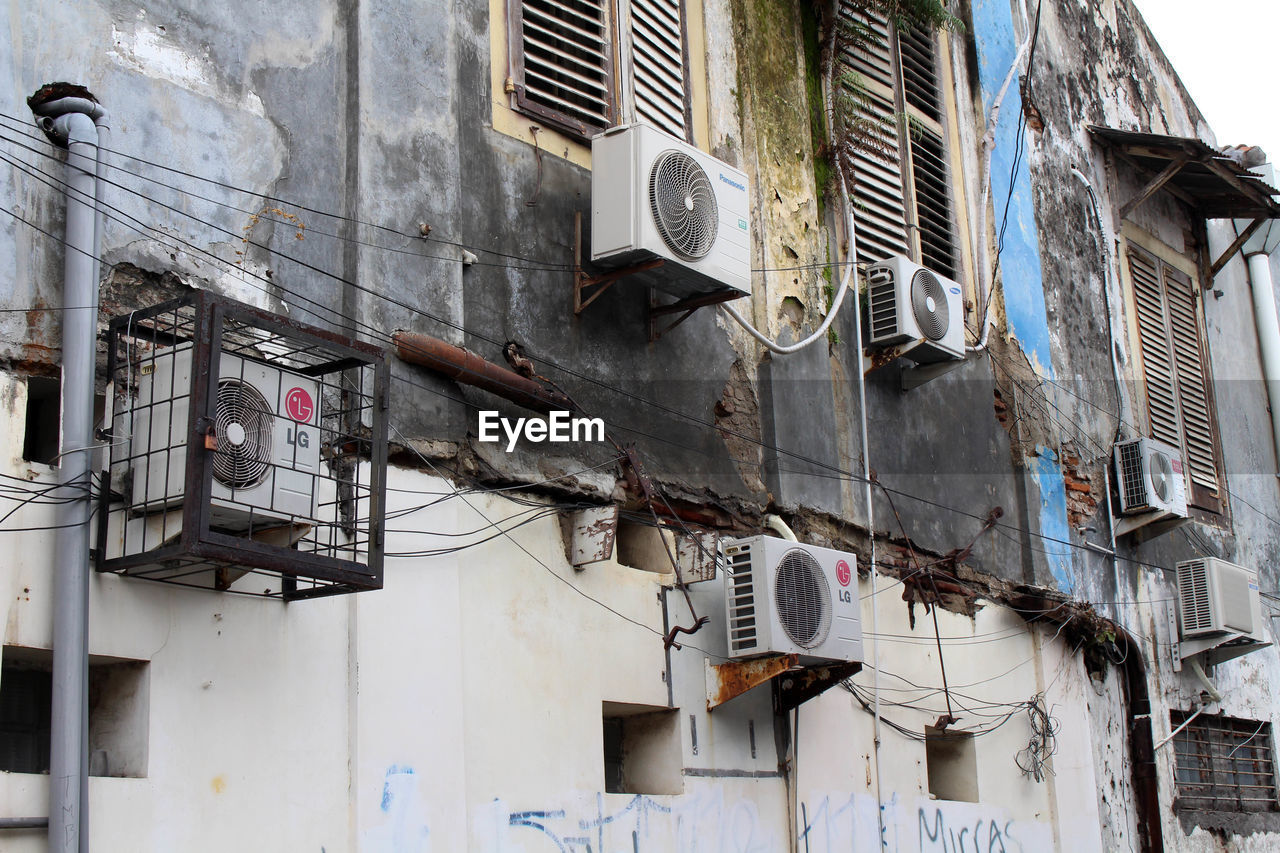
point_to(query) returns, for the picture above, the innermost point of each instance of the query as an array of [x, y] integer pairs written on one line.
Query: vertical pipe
[[71, 121], [1264, 316]]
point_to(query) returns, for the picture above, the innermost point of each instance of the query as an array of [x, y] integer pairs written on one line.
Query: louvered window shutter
[[658, 65], [900, 167], [1170, 335], [1193, 399], [923, 96], [879, 208], [563, 68]]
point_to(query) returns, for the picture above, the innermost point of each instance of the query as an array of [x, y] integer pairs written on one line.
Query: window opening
[[641, 749], [43, 422], [951, 762], [1224, 764], [118, 713]]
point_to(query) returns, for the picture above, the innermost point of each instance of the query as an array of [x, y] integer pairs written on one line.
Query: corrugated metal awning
[[1214, 185]]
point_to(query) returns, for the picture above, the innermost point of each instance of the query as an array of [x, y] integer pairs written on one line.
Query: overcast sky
[[1227, 53]]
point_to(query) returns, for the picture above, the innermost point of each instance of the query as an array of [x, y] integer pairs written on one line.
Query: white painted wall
[[460, 708]]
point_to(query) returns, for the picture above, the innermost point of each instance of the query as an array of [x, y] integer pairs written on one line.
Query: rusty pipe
[[468, 368]]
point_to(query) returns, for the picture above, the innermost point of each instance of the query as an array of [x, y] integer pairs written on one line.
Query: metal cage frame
[[335, 548]]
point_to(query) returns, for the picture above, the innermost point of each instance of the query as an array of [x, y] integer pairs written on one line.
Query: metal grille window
[[1224, 764], [902, 203], [1170, 337], [566, 55]]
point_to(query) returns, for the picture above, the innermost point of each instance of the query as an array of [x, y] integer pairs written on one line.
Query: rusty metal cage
[[246, 452]]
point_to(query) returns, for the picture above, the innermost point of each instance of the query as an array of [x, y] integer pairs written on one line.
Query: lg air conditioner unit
[[1149, 478], [907, 302], [783, 597], [655, 197], [1219, 598], [264, 445]]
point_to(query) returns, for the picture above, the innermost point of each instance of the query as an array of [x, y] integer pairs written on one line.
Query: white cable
[[850, 264], [986, 288], [821, 331], [776, 524]]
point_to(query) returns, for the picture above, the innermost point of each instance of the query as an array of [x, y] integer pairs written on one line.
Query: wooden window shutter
[[900, 164], [1193, 400], [563, 62], [658, 65], [879, 205], [923, 97], [1153, 339], [1170, 337]]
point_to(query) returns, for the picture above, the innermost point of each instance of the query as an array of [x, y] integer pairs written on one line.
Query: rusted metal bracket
[[1235, 246], [1151, 188], [797, 688], [602, 282], [687, 305], [733, 678], [592, 533]]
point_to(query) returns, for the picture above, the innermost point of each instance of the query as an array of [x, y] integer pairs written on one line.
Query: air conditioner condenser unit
[[1218, 597], [784, 597], [907, 302], [264, 445], [657, 197], [1150, 479]]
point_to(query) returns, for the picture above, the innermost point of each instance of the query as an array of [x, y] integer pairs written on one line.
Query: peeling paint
[[1022, 283], [1048, 478]]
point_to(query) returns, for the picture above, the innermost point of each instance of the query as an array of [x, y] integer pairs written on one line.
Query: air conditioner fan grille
[[929, 304], [803, 599], [684, 205], [1160, 470], [242, 426]]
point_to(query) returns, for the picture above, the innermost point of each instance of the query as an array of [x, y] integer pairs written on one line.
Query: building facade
[[372, 169]]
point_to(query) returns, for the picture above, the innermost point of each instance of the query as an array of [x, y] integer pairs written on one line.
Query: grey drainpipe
[[79, 124]]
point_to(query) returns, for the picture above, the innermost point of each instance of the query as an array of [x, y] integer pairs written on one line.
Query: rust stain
[[737, 677]]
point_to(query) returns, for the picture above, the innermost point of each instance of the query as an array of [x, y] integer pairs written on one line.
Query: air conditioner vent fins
[[742, 603], [683, 205], [1193, 594]]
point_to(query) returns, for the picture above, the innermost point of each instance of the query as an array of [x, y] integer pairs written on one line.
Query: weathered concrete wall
[[461, 707]]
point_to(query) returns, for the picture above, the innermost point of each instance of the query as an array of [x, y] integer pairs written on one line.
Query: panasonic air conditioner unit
[[907, 302], [1150, 479], [656, 197], [783, 597], [1217, 597], [264, 450]]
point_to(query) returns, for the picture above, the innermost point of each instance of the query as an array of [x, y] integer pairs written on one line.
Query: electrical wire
[[684, 416]]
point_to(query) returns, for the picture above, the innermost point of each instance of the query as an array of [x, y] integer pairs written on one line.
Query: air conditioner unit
[[907, 302], [783, 597], [656, 197], [265, 447], [1217, 597], [1150, 479]]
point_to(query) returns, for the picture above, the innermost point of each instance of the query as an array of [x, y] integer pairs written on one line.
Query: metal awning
[[1213, 185]]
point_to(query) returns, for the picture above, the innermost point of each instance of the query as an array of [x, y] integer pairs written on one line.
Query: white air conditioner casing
[[907, 302], [1217, 597], [657, 197], [783, 597], [267, 458], [1150, 479]]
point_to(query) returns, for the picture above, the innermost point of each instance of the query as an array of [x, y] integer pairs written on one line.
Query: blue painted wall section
[[1021, 278], [1047, 475], [1020, 258]]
